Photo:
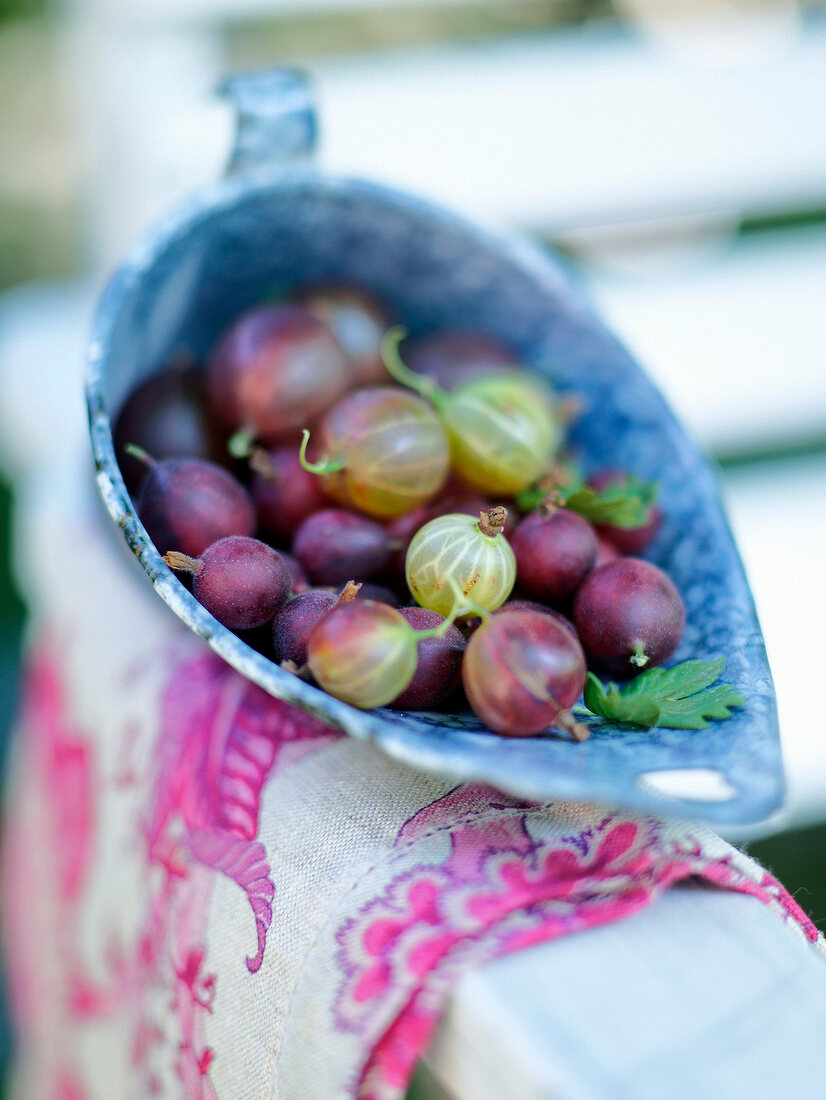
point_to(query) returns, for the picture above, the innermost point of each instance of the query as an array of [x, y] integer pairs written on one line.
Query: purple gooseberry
[[283, 491], [439, 666], [628, 614], [167, 416], [241, 581], [188, 503], [274, 370], [334, 545], [555, 550]]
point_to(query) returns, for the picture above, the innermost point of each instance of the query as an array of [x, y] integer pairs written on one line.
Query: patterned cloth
[[210, 895]]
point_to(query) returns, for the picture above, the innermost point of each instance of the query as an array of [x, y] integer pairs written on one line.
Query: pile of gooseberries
[[385, 515]]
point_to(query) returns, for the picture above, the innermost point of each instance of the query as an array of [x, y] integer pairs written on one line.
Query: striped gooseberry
[[365, 653], [294, 624], [460, 555], [502, 428], [385, 450], [521, 672]]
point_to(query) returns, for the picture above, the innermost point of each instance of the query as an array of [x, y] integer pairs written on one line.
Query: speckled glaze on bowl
[[275, 223]]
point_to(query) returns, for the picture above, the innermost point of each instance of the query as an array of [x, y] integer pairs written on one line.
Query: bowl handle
[[275, 119]]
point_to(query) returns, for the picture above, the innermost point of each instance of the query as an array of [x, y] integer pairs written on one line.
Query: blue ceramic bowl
[[275, 223]]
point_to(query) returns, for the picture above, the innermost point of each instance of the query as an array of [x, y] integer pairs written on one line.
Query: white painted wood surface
[[566, 133], [778, 515], [734, 333], [585, 128], [702, 995]]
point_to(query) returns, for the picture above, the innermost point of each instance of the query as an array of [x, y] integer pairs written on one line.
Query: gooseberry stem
[[259, 463], [399, 370], [578, 730], [182, 563], [640, 657], [463, 605], [240, 443], [140, 454], [443, 627], [323, 466], [436, 631], [556, 485], [348, 592], [301, 671]]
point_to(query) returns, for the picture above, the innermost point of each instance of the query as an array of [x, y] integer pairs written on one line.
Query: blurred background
[[675, 152]]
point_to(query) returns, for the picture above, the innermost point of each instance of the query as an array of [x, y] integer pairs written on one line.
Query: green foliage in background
[[16, 9], [11, 622]]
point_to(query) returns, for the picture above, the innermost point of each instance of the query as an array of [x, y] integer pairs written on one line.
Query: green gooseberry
[[502, 428]]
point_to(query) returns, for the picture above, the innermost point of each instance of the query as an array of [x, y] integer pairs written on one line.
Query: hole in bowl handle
[[275, 119]]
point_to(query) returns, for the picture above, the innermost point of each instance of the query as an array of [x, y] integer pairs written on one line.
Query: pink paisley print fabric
[[209, 894]]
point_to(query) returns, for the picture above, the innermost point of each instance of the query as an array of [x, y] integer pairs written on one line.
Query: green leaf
[[683, 697], [625, 503], [609, 702], [563, 477]]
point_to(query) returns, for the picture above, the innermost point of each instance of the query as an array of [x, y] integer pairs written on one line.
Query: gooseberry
[[239, 580], [385, 451], [380, 593], [333, 545], [451, 499], [188, 503], [283, 491], [454, 356], [439, 663], [298, 618], [358, 322], [521, 672], [460, 554], [502, 429], [555, 550], [628, 614], [167, 416], [365, 653], [276, 369]]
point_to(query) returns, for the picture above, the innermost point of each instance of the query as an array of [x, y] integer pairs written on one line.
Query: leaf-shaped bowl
[[275, 223]]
